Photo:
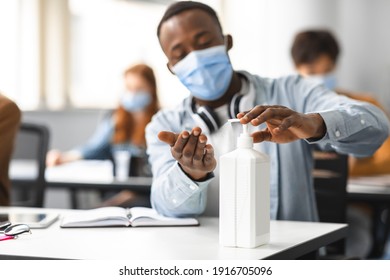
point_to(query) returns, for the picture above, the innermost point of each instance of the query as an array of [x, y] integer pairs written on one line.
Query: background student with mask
[[293, 114], [315, 54], [123, 129]]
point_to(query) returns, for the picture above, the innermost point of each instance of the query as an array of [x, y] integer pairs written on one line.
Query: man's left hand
[[283, 124]]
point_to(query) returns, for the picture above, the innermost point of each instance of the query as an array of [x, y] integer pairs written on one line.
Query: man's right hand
[[191, 150]]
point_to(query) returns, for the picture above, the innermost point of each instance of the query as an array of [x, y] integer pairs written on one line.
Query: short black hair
[[309, 45], [181, 6]]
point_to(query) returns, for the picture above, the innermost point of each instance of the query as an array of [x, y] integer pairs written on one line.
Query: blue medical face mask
[[205, 73], [329, 80], [135, 101]]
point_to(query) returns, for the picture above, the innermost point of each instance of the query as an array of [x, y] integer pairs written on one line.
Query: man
[[315, 54], [9, 123], [289, 115]]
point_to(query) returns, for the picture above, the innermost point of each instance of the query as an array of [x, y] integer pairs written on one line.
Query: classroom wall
[[68, 128], [263, 30], [365, 63]]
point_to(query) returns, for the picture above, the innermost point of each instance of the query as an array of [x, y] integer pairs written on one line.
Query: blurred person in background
[[124, 129], [315, 54], [9, 123]]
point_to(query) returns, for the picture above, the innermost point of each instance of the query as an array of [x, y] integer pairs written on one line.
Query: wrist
[[195, 175], [320, 127]]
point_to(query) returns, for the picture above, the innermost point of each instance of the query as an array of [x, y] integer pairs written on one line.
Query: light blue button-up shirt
[[353, 127]]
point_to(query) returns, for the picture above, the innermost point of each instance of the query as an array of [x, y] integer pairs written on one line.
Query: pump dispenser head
[[245, 140]]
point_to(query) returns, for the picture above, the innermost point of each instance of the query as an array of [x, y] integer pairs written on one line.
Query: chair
[[330, 186], [29, 159]]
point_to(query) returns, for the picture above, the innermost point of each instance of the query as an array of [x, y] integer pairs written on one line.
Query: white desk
[[79, 175], [289, 240], [372, 185], [97, 171]]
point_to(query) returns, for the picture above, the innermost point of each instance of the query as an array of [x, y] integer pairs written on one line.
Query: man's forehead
[[187, 21]]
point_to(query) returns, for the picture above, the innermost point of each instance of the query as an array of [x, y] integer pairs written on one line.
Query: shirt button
[[192, 187], [363, 122], [337, 133], [174, 201]]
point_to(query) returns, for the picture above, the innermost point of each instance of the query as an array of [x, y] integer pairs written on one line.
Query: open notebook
[[118, 216]]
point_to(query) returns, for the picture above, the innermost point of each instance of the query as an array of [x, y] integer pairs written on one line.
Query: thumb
[[167, 137]]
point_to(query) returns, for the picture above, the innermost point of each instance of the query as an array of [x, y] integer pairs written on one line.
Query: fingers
[[261, 114], [168, 137], [248, 116], [177, 147], [261, 136], [240, 115], [286, 124], [209, 159], [200, 149], [186, 147], [192, 152], [190, 147]]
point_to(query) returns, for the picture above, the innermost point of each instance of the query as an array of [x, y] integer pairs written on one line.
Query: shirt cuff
[[334, 131], [185, 184]]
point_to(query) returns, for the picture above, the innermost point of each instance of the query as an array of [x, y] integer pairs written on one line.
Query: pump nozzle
[[245, 140], [245, 130]]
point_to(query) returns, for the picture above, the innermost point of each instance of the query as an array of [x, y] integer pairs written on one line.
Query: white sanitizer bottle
[[244, 213]]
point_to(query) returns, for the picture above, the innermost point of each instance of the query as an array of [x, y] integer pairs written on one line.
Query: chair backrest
[[31, 146], [330, 185]]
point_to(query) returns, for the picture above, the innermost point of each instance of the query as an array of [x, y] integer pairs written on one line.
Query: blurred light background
[[62, 54]]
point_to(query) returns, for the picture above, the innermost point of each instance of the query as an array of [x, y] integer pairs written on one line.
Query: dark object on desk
[[31, 144], [330, 185], [139, 167]]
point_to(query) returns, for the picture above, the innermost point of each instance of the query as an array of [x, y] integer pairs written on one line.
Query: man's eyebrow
[[201, 33], [196, 37], [176, 47]]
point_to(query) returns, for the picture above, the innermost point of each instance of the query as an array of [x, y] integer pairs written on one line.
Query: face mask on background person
[[328, 80], [135, 101], [205, 73]]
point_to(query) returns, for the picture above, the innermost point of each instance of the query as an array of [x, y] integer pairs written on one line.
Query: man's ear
[[169, 68], [229, 41]]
